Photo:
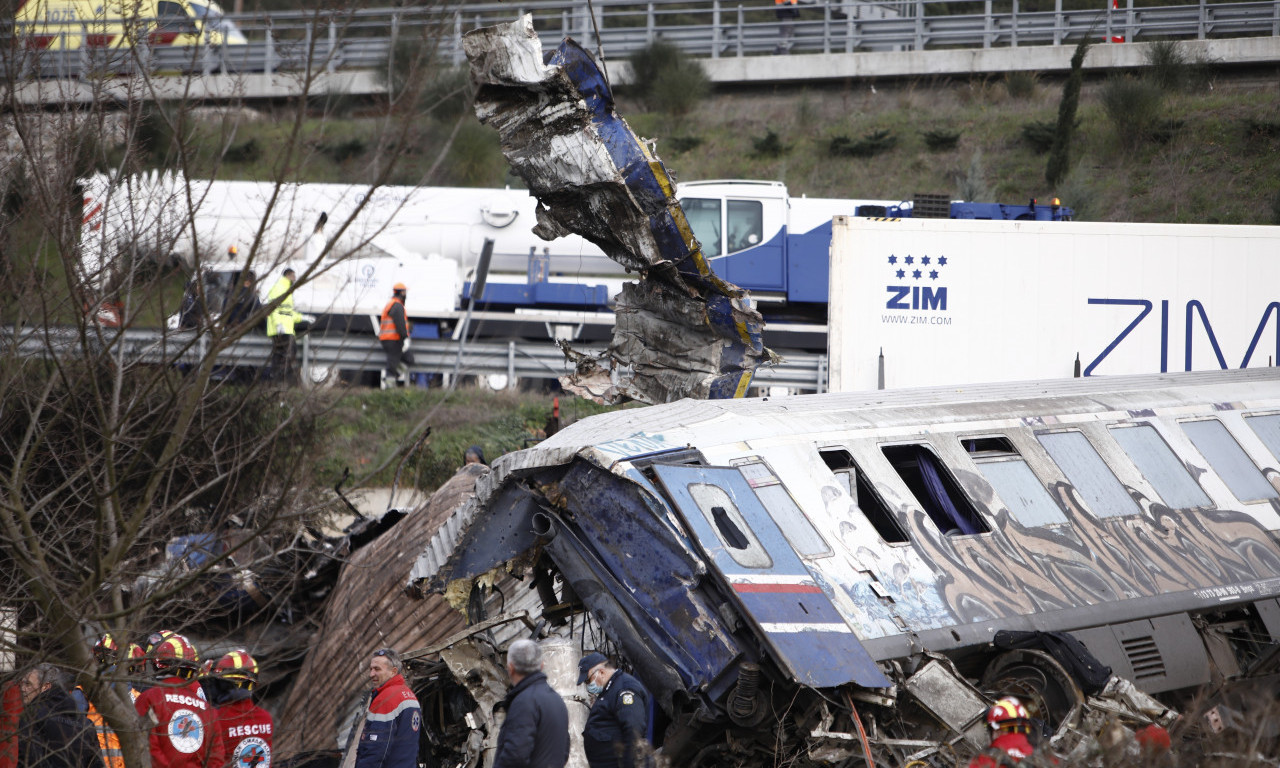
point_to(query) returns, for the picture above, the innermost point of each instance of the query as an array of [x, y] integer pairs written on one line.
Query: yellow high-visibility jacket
[[282, 318]]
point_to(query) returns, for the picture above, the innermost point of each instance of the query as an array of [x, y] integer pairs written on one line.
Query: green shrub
[[941, 140], [1167, 65], [973, 184], [869, 145], [1038, 134], [667, 80], [154, 136], [1266, 130], [1020, 85], [1134, 107], [769, 145], [678, 144], [248, 152], [344, 150]]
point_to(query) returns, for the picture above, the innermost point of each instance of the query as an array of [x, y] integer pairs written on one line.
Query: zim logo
[[252, 752], [186, 731], [922, 290]]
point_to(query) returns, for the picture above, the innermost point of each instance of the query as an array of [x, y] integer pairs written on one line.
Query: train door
[[776, 593]]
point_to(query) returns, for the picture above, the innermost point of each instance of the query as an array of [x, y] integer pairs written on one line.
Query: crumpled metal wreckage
[[681, 330]]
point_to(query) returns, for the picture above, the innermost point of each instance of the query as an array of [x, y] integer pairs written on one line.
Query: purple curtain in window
[[938, 492]]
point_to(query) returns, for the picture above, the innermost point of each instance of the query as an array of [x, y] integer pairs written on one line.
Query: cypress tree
[[1060, 154]]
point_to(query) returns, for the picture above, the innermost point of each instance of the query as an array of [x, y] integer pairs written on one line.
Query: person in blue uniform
[[618, 722]]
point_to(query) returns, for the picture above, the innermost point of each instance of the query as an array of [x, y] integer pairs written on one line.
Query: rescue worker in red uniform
[[244, 727], [1010, 726], [392, 332], [182, 732]]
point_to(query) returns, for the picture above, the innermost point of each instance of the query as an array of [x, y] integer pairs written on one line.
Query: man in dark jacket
[[393, 722], [536, 731], [619, 717], [53, 733]]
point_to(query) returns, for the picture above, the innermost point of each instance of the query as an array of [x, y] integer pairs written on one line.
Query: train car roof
[[754, 418]]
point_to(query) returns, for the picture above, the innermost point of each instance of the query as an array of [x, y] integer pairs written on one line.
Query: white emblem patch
[[628, 698], [186, 731], [252, 752]]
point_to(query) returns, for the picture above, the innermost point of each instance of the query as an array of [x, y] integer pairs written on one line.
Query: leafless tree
[[147, 488]]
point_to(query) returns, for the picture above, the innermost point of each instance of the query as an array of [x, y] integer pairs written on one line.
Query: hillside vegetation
[[1177, 142]]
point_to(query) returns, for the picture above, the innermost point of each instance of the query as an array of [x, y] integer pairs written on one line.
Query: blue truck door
[[775, 591], [755, 231]]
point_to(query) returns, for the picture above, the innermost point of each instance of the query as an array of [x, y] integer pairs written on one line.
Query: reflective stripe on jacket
[[393, 326], [108, 741], [282, 318]]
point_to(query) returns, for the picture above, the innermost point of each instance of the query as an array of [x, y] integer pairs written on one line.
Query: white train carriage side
[[783, 558]]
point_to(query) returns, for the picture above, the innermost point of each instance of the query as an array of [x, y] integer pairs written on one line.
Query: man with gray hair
[[52, 732], [536, 731], [393, 723]]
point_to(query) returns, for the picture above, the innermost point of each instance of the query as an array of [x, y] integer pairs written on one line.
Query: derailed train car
[[829, 577]]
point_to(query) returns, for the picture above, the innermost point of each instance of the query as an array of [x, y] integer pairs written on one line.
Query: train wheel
[[1045, 688]]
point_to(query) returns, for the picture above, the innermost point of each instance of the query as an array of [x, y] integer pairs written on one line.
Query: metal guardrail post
[[826, 27], [919, 45], [1202, 19], [1108, 29], [457, 39], [333, 42], [84, 51], [1057, 22], [715, 28], [308, 45], [1129, 24], [740, 31], [988, 25], [649, 23], [511, 365], [269, 59], [1275, 19], [304, 369], [821, 384], [1013, 23], [850, 28]]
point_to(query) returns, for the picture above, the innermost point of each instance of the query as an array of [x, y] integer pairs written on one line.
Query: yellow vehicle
[[56, 25]]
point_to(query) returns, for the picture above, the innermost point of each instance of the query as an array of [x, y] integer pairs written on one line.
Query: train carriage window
[[745, 225], [1160, 466], [703, 214], [1229, 460], [1001, 464], [865, 498], [936, 490], [791, 520], [1097, 485], [730, 526], [1267, 428]]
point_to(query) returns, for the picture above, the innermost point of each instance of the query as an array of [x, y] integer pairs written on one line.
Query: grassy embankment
[[1206, 152], [368, 430]]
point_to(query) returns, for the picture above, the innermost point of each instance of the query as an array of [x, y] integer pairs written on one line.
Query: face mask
[[594, 689]]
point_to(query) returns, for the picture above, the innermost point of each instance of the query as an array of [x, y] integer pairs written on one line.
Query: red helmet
[[238, 667], [137, 659], [1007, 715], [175, 653], [106, 650], [154, 639]]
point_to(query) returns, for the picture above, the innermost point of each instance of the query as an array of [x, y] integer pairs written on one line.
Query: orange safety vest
[[387, 331], [108, 741]]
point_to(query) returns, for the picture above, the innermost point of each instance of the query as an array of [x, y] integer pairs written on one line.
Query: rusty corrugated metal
[[369, 610]]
